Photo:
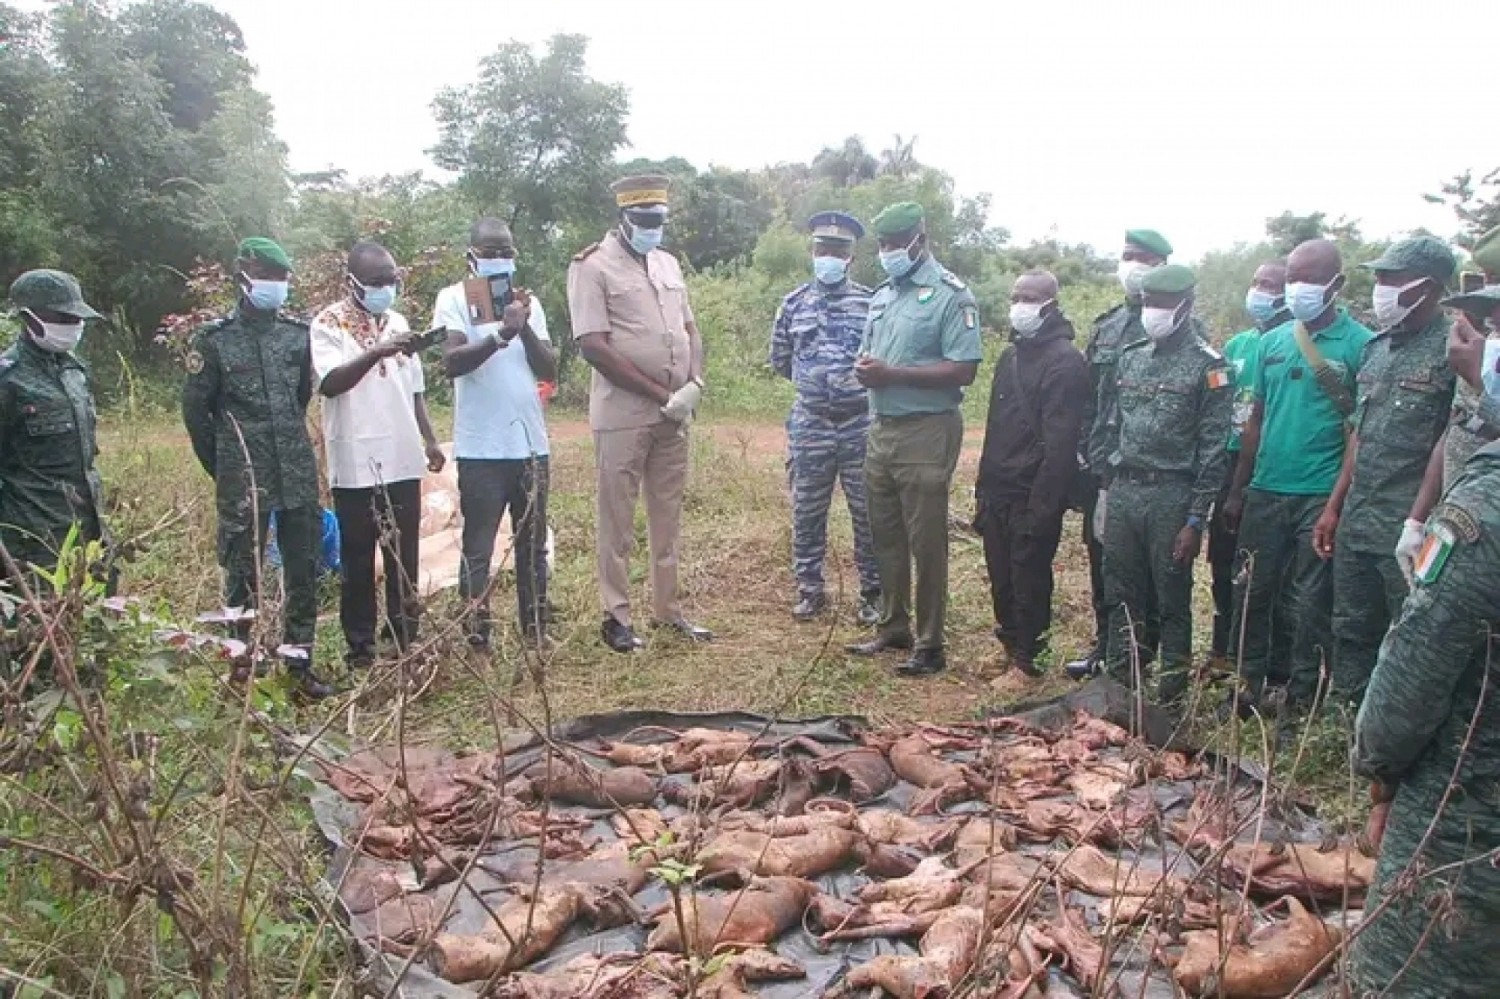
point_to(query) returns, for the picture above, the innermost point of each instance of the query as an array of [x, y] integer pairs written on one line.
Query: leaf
[[46, 910], [66, 728], [114, 985]]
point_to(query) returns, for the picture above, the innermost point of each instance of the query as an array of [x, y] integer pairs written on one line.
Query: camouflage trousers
[[299, 536], [1142, 521], [1442, 922], [1368, 591], [825, 452], [1283, 600]]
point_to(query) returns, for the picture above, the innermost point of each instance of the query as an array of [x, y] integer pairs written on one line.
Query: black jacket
[[1038, 400]]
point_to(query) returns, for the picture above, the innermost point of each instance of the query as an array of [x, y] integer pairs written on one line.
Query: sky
[[1081, 119]]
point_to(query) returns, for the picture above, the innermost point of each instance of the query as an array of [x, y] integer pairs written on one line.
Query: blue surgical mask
[[1306, 301], [494, 266], [643, 241], [266, 296], [830, 270], [898, 263], [1262, 305], [377, 299]]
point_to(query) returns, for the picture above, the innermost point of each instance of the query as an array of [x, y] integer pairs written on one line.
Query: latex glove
[[682, 403], [1408, 546], [1099, 514]]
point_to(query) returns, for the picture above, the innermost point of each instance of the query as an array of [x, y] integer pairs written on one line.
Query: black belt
[[1150, 475], [836, 414]]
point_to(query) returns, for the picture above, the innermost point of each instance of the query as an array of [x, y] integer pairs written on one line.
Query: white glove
[[1099, 514], [1411, 543], [683, 402]]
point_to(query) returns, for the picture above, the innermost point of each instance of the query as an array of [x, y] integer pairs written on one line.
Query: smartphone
[[426, 341], [1470, 282]]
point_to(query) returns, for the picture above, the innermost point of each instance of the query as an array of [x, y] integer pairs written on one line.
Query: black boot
[[810, 606], [923, 662], [1082, 669], [620, 637], [881, 643], [307, 685]]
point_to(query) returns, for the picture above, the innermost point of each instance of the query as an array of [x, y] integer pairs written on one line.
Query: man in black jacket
[[1037, 404]]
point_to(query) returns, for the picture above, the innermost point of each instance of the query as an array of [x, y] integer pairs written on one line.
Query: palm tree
[[846, 165], [899, 160]]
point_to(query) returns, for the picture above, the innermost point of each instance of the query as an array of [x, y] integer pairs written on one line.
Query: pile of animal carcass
[[998, 859]]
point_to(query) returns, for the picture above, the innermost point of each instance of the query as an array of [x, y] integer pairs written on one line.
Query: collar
[[1283, 317], [925, 274], [253, 318], [1175, 342], [32, 349]]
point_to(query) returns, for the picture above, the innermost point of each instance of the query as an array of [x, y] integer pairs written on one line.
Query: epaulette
[[953, 281], [1107, 313], [584, 253], [1137, 344], [1209, 349], [294, 319]]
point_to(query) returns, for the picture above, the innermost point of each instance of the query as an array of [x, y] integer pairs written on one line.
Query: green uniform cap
[[1149, 239], [1487, 252], [1481, 302], [54, 291], [903, 216], [266, 250], [1425, 255], [1169, 279]]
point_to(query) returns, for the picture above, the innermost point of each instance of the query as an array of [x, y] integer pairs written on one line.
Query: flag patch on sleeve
[[1218, 378], [1437, 545]]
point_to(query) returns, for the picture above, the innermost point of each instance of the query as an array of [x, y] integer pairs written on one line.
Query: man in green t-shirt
[[1292, 449], [1266, 304]]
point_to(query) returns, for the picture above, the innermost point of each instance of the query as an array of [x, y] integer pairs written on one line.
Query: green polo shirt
[[1240, 352], [1302, 434], [926, 317]]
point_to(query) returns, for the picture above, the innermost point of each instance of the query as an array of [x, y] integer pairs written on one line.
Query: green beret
[[903, 216], [54, 291], [1150, 240], [1480, 303], [1168, 279], [1487, 252], [1424, 255], [265, 250]]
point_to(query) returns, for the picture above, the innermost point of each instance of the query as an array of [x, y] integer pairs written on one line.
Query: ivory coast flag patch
[[1218, 378], [1437, 545]]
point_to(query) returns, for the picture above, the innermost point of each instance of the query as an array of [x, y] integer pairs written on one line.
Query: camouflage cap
[[1424, 255], [1169, 279], [1487, 254], [903, 216], [265, 250], [1149, 240], [54, 291], [1481, 302]]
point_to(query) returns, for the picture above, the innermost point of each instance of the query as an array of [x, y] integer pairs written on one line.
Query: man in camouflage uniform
[[245, 407], [48, 483], [1428, 736], [1405, 395], [814, 343], [1160, 454], [1115, 330]]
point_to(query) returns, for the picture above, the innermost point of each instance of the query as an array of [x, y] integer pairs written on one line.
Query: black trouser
[[1222, 545], [299, 533], [1018, 553], [487, 488], [390, 517], [1096, 569]]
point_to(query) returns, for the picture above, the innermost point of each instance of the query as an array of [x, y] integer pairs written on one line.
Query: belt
[[1150, 475], [836, 414], [912, 417]]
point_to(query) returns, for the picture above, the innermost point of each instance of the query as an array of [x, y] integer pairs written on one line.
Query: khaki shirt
[[643, 308]]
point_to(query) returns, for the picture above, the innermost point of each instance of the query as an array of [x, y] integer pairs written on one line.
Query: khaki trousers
[[655, 457], [908, 471]]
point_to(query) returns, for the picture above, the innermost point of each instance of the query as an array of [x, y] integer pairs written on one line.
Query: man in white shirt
[[499, 434], [379, 444]]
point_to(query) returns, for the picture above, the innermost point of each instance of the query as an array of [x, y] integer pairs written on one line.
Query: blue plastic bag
[[328, 558]]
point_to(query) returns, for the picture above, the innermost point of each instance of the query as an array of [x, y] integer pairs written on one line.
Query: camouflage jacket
[[1169, 413], [48, 481], [815, 342], [1112, 333], [1405, 396], [1431, 716], [250, 378]]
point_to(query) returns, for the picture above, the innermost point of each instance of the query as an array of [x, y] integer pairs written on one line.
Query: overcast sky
[[1196, 117]]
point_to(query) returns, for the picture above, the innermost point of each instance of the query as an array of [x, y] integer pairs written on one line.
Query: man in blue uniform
[[814, 343]]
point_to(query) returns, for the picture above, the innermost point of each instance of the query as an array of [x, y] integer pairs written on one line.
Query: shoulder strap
[[1328, 379]]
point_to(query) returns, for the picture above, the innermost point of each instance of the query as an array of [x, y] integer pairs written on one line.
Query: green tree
[[844, 165], [900, 160], [1476, 203], [26, 78]]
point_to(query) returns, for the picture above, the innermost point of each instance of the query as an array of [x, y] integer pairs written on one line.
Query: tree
[[1288, 229], [26, 79], [901, 159], [1475, 203], [845, 165]]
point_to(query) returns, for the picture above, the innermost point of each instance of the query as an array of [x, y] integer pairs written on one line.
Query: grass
[[736, 578]]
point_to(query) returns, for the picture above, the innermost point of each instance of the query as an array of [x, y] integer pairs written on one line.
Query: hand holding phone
[[425, 341]]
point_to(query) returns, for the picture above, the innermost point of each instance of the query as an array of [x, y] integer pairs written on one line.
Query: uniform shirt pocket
[[49, 420]]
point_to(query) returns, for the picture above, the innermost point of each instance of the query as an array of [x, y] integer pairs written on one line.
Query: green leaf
[[46, 910], [114, 985], [66, 728]]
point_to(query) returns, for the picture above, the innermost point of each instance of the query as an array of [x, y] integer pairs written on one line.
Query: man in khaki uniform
[[635, 328]]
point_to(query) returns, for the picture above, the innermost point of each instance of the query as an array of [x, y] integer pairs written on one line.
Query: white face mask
[[1389, 312], [1131, 273], [57, 338], [1159, 323], [1026, 317]]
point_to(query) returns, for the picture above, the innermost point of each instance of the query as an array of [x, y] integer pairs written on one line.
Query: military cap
[[265, 250], [53, 291], [903, 216], [1169, 279], [645, 190], [1481, 302], [1425, 255], [1487, 252], [835, 227], [1150, 240]]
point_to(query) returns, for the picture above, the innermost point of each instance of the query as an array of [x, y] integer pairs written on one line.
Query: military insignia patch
[[924, 295], [1218, 378], [1437, 545], [1458, 521], [194, 362], [971, 318]]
